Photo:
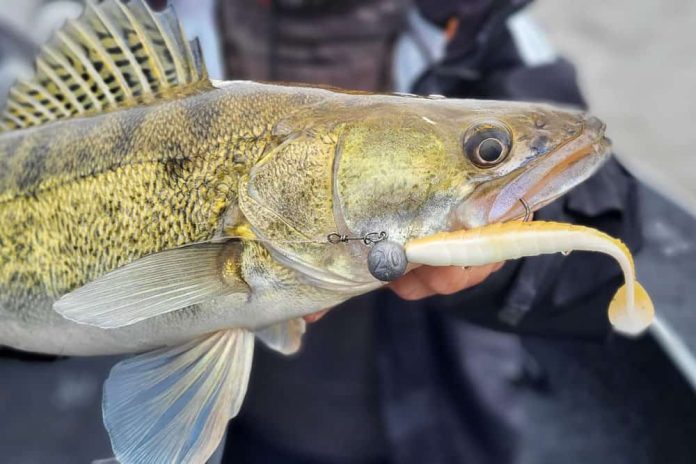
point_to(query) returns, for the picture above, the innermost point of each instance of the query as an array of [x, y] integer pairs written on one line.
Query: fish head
[[365, 166], [415, 168]]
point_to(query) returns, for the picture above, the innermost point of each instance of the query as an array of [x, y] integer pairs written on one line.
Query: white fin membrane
[[118, 53], [284, 337], [151, 286], [172, 405]]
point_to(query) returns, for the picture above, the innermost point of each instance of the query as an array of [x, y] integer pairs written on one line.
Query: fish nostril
[[540, 145]]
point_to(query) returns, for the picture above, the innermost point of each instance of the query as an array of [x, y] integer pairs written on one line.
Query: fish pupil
[[490, 150]]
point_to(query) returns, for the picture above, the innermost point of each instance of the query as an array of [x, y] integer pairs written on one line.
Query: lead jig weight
[[387, 260]]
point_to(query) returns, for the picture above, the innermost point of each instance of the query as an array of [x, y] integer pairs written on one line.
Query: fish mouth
[[532, 187]]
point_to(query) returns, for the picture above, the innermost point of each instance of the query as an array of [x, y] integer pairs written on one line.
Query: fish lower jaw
[[530, 191]]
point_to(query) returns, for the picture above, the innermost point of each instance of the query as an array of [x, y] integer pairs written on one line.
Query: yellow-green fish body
[[146, 208], [81, 197]]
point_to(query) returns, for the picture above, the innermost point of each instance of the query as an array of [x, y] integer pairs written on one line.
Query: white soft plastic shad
[[630, 311]]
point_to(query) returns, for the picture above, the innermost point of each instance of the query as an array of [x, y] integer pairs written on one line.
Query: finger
[[479, 274], [426, 281], [444, 280], [448, 280], [410, 287], [314, 317]]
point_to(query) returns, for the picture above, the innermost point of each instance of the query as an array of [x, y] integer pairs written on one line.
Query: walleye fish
[[146, 208]]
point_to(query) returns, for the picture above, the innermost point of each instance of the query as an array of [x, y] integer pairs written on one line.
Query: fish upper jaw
[[538, 183]]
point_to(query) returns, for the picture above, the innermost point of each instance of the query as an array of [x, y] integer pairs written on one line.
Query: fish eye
[[487, 145], [490, 150]]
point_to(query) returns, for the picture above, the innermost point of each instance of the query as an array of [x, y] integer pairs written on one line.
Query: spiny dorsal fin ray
[[119, 53]]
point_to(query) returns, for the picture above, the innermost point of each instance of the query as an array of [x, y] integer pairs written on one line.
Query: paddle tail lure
[[630, 311]]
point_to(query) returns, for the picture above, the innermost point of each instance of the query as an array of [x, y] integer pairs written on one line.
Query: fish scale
[[79, 185]]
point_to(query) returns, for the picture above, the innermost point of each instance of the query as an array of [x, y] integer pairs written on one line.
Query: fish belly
[[34, 326]]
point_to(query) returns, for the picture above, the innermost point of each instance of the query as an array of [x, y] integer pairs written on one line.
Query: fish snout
[[595, 125], [594, 132]]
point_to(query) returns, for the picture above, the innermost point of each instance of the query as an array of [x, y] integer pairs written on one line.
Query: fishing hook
[[527, 211]]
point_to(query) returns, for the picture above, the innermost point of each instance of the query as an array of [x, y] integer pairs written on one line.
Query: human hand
[[426, 281]]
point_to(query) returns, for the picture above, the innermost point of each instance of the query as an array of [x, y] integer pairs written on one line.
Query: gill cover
[[287, 198]]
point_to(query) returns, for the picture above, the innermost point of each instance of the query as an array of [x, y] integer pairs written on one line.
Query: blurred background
[[634, 66], [618, 401]]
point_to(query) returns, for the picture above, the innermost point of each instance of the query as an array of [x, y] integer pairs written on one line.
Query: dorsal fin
[[119, 53]]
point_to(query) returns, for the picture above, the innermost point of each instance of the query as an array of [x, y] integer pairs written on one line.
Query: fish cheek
[[385, 178]]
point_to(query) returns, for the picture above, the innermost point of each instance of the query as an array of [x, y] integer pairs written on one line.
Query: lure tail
[[631, 320]]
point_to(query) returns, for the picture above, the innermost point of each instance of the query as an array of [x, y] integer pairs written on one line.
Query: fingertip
[[410, 288], [445, 280]]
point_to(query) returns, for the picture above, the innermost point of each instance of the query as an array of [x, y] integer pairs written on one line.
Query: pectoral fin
[[284, 337], [156, 284], [173, 404]]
